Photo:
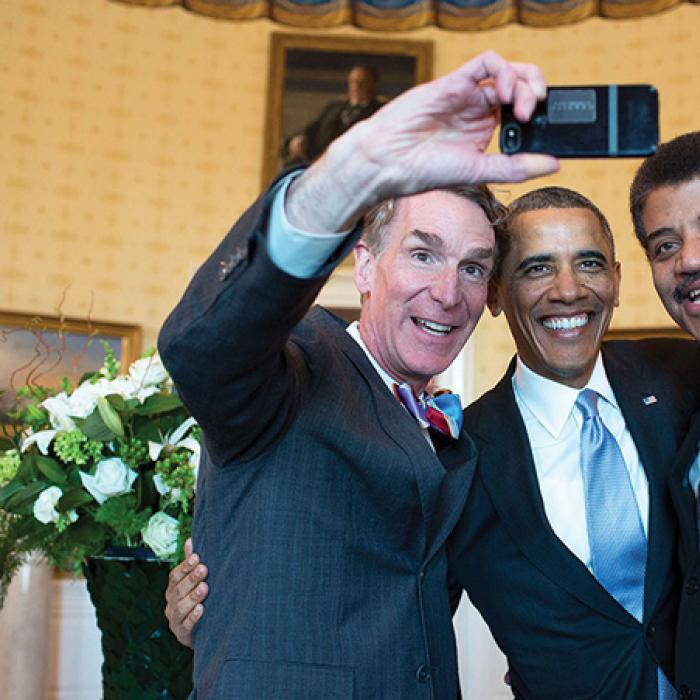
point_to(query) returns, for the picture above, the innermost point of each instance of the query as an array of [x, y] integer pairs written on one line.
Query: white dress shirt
[[553, 425], [354, 332]]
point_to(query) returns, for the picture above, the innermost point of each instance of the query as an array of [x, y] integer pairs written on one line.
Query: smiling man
[[323, 505], [665, 205], [566, 543]]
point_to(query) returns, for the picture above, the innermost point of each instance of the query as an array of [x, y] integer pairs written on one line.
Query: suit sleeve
[[227, 343]]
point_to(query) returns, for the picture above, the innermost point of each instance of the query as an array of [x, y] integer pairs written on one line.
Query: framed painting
[[320, 85], [42, 350]]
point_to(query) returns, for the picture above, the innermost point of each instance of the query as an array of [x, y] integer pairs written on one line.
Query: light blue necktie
[[615, 533]]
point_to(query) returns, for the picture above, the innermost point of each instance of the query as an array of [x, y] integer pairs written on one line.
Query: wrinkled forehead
[[441, 218]]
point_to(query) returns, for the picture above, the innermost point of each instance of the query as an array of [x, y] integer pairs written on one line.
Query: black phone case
[[594, 121]]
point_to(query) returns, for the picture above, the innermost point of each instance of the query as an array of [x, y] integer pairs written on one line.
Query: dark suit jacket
[[329, 125], [321, 511], [688, 635], [564, 635]]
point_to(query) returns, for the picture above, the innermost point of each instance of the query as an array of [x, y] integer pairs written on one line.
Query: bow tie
[[443, 412]]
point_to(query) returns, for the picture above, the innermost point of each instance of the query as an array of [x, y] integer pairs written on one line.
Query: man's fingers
[[503, 168], [183, 568], [524, 101], [533, 76], [183, 582], [490, 65], [188, 548], [188, 584]]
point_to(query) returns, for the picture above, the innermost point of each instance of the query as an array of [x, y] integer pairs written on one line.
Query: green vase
[[142, 658]]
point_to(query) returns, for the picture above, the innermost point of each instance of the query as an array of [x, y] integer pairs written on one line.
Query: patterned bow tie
[[443, 412]]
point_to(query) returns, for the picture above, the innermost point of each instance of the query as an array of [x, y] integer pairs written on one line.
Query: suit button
[[684, 692], [423, 674], [651, 631], [692, 587]]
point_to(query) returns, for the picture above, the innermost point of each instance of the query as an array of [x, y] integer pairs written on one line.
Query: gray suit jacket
[[321, 511], [564, 635]]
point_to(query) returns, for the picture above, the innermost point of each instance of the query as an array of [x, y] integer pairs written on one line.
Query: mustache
[[681, 290]]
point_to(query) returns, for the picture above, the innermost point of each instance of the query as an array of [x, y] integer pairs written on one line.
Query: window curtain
[[396, 15]]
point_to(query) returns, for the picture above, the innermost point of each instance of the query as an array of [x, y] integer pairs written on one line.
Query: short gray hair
[[377, 220]]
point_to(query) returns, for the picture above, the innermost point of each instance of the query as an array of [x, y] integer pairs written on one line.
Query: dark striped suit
[[321, 510]]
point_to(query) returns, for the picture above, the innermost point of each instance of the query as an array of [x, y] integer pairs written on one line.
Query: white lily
[[174, 440], [42, 438]]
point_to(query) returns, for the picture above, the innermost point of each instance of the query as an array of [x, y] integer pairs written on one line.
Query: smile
[[566, 323], [432, 327]]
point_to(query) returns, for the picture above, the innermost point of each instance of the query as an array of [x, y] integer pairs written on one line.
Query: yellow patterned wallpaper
[[131, 138]]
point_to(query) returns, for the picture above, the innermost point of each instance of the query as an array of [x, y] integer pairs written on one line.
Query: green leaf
[[51, 469], [9, 490], [145, 429], [87, 376], [28, 470], [158, 403], [73, 499], [25, 497], [119, 404], [94, 428]]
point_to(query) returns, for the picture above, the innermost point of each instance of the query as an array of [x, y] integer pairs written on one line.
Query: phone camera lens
[[511, 138]]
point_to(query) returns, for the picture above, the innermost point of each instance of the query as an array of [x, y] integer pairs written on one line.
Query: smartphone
[[587, 121]]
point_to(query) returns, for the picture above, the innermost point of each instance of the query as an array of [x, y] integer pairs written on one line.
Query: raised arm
[[431, 136]]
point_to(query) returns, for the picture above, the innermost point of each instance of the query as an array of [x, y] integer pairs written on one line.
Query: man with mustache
[[324, 500], [665, 207]]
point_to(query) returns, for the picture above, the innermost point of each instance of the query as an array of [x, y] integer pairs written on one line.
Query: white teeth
[[565, 323], [432, 327], [694, 294]]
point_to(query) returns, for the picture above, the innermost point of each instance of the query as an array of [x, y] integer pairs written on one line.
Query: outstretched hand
[[184, 595], [432, 136]]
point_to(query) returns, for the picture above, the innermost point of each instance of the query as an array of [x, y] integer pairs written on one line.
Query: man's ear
[[617, 273], [364, 267], [492, 299]]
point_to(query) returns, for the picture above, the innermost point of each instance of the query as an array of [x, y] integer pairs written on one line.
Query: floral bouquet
[[108, 464]]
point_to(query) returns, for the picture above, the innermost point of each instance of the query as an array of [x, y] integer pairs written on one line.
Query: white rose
[[161, 535], [112, 478], [83, 400], [148, 371], [45, 506], [59, 410]]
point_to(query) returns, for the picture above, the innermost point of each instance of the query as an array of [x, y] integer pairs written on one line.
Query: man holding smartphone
[[324, 500]]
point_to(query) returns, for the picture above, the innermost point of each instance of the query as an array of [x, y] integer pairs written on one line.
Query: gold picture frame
[[308, 71], [42, 350], [650, 332]]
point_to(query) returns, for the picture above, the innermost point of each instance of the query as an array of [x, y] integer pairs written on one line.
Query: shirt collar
[[353, 330], [551, 402]]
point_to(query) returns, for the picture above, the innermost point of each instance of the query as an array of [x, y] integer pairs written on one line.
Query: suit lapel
[[654, 437], [458, 458], [508, 471], [439, 506], [682, 495]]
